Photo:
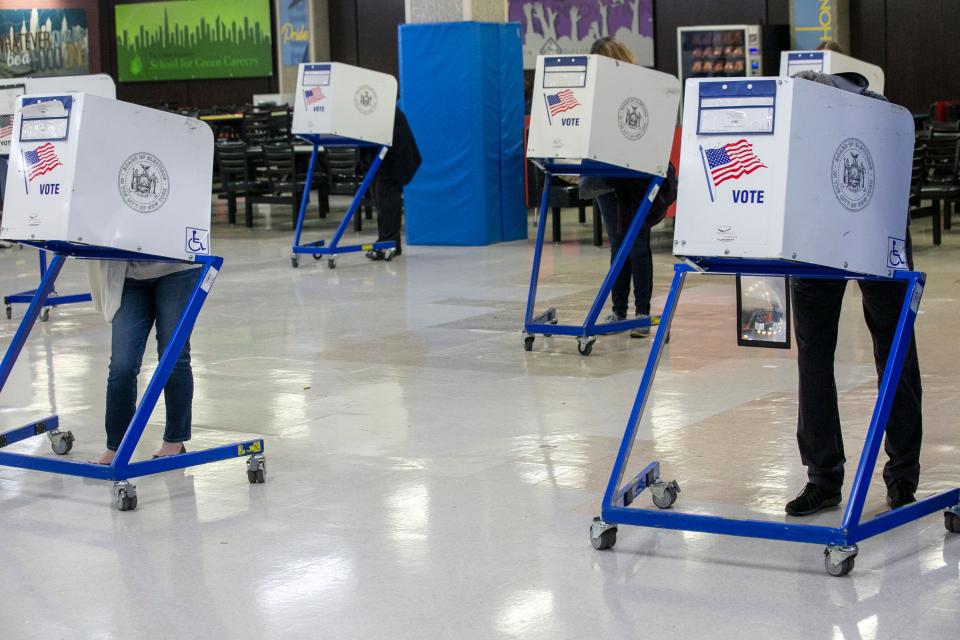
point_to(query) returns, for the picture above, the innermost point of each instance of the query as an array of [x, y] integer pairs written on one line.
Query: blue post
[[538, 248], [885, 396], [180, 336], [618, 261], [306, 194], [358, 198], [44, 289]]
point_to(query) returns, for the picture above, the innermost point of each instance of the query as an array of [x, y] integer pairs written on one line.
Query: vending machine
[[830, 62], [730, 51]]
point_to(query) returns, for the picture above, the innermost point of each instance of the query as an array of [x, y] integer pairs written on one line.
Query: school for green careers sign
[[194, 39]]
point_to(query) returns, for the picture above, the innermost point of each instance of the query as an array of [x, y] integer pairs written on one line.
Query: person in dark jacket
[[398, 168], [816, 308]]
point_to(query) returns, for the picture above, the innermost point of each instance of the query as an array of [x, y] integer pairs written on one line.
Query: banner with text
[[43, 42]]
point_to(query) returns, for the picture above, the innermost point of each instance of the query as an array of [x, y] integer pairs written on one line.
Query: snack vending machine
[[730, 51]]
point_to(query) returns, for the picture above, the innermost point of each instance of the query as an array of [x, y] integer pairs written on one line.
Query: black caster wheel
[[61, 443], [838, 567], [332, 263], [585, 348], [126, 503], [665, 495], [9, 312], [257, 477], [257, 469], [295, 261], [550, 335], [45, 314], [602, 538], [317, 256], [951, 522], [528, 343]]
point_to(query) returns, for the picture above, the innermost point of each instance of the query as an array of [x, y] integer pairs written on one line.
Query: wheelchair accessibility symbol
[[896, 253], [198, 241]]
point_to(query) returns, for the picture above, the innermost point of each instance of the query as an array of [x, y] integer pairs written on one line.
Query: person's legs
[[620, 294], [816, 312], [641, 266], [171, 296], [388, 195], [882, 302], [129, 332]]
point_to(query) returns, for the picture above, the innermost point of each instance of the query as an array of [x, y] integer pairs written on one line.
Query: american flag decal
[[731, 161], [6, 126], [560, 102], [41, 160], [313, 95]]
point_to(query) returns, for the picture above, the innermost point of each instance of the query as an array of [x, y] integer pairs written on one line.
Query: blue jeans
[[638, 266], [144, 303]]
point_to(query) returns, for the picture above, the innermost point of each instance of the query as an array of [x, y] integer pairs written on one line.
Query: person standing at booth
[[618, 200], [134, 297], [398, 168], [816, 308]]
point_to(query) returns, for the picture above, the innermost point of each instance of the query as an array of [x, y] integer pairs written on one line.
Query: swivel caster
[[585, 345], [602, 535], [61, 442], [839, 561], [951, 520], [9, 312], [44, 314], [124, 495], [332, 262], [550, 335], [528, 342], [664, 493], [295, 261], [256, 469], [317, 256]]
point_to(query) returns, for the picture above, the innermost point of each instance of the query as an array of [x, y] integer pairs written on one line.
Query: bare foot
[[169, 449], [106, 457]]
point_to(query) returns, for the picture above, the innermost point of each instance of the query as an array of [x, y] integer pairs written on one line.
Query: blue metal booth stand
[[121, 470], [546, 323], [841, 542], [319, 248], [53, 300]]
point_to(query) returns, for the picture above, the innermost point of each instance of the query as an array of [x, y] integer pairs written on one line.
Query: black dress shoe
[[375, 254], [899, 494], [811, 500]]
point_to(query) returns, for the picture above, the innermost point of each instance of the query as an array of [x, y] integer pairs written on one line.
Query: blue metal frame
[[543, 323], [320, 247], [121, 469], [618, 497], [53, 300]]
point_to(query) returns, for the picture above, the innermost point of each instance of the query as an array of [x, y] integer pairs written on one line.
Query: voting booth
[[10, 90], [830, 62], [94, 178], [337, 104], [795, 170], [598, 117], [785, 178], [104, 173]]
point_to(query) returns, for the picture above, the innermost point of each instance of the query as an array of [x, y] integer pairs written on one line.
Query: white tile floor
[[427, 478]]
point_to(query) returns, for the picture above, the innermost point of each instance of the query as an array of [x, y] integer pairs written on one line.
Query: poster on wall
[[294, 31], [554, 27], [43, 42], [194, 39]]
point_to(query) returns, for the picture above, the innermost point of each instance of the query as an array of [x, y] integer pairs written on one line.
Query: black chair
[[279, 123], [281, 182], [344, 176], [235, 179], [941, 178], [564, 195], [254, 128]]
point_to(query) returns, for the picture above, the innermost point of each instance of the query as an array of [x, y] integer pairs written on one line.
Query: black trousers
[[638, 266], [816, 306], [388, 196]]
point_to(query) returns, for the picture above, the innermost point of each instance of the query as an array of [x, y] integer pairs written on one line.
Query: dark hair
[[613, 48], [830, 45]]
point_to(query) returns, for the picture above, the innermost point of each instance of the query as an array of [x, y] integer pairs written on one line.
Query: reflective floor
[[427, 478]]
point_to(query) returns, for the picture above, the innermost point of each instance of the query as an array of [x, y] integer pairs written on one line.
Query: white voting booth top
[[337, 101], [100, 172], [590, 107], [99, 84], [793, 62], [789, 169]]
